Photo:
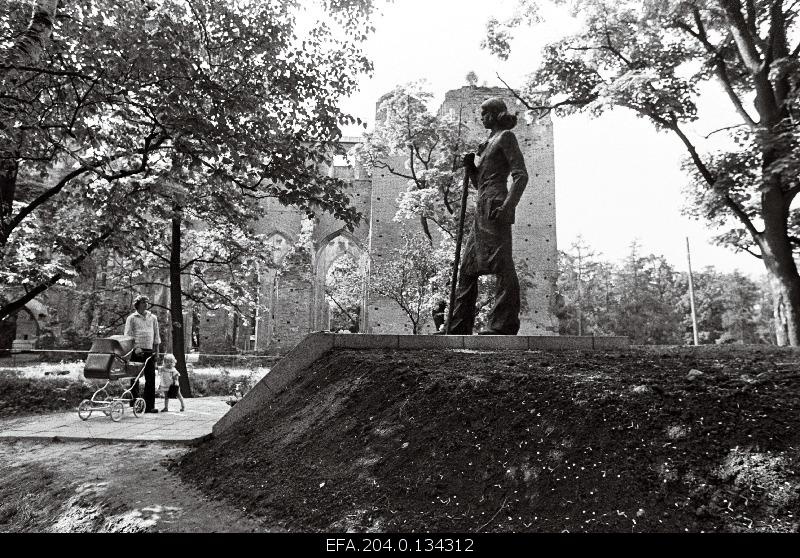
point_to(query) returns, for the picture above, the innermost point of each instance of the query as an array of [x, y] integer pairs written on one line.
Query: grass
[[20, 395], [74, 369]]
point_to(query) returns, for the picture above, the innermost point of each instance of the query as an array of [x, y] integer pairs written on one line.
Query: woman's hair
[[141, 298], [170, 358], [497, 106]]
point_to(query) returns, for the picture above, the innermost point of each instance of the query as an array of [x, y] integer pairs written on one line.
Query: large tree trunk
[[778, 312], [176, 302], [8, 331], [778, 256], [8, 188], [786, 307]]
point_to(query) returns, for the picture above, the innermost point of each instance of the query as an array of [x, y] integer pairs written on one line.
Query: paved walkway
[[192, 425]]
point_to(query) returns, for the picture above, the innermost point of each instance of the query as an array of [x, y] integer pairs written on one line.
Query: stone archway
[[24, 328], [337, 245]]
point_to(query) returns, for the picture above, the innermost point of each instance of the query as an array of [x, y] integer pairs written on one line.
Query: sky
[[617, 179]]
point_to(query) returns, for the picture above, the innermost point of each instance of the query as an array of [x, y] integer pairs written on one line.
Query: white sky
[[616, 178]]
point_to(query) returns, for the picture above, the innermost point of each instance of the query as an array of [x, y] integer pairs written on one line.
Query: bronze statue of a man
[[488, 246]]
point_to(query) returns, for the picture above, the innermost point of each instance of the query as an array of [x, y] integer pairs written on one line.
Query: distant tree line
[[647, 299]]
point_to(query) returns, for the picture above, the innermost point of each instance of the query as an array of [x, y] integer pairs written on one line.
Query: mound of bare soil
[[644, 440]]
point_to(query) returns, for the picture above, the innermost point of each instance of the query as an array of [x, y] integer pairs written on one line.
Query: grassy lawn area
[[37, 387]]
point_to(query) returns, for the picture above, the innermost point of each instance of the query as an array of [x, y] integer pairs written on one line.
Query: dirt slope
[[533, 441], [81, 487]]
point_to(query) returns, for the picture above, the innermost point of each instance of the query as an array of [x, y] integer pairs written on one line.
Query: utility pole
[[580, 293], [691, 293]]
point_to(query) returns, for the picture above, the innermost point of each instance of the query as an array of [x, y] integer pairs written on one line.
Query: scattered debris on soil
[[79, 487], [521, 441]]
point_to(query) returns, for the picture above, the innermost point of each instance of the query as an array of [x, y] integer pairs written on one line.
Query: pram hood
[[119, 345]]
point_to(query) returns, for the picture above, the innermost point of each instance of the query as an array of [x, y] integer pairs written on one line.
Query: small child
[[169, 381]]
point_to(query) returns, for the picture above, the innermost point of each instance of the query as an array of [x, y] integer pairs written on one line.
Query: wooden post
[[457, 261]]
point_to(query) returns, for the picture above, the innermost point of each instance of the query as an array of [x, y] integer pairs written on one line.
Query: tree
[[652, 56], [741, 318], [641, 298], [344, 288], [228, 98], [647, 300], [409, 277], [710, 305], [578, 287], [645, 309], [411, 142]]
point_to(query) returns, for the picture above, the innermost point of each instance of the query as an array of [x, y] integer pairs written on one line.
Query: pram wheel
[[138, 407], [85, 409], [116, 411]]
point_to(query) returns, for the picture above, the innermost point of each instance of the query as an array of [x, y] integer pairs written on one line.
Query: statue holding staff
[[488, 247]]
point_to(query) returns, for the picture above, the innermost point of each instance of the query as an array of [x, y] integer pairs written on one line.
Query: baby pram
[[108, 360]]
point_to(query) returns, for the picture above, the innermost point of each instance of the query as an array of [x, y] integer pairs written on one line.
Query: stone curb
[[187, 441]]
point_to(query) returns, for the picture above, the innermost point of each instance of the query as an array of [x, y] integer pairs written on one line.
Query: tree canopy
[[105, 106]]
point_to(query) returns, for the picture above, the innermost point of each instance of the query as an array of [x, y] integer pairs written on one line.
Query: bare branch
[[48, 71], [547, 108], [707, 175], [611, 48], [723, 129], [50, 192], [749, 251], [39, 200]]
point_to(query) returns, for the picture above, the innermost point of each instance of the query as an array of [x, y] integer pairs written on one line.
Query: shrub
[[206, 385], [26, 396]]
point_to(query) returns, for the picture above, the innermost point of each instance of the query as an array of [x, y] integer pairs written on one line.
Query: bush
[[205, 385], [253, 361], [26, 396]]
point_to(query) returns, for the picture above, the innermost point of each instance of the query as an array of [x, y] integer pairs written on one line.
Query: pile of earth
[[647, 440]]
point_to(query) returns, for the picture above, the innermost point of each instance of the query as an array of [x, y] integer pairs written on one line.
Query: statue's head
[[495, 113]]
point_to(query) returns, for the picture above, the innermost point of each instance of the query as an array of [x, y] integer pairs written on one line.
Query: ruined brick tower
[[295, 297], [534, 232]]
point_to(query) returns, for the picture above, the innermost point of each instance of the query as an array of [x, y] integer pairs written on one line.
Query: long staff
[[459, 238]]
